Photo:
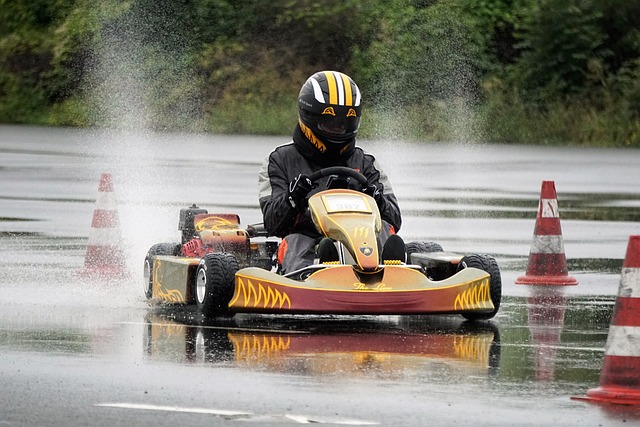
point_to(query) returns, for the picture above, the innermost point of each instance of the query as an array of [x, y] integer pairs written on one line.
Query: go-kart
[[227, 269]]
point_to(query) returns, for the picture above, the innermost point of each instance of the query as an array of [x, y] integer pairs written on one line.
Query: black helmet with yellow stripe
[[329, 112]]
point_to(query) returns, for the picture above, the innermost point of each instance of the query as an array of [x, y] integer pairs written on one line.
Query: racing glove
[[299, 188], [375, 192]]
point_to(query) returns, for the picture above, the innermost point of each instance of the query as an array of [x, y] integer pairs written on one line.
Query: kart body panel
[[173, 277], [337, 290]]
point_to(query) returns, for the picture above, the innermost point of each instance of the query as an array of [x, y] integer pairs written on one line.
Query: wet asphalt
[[82, 351]]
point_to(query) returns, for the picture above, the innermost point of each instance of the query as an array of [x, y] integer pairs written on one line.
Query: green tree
[[437, 69], [30, 79], [423, 53], [258, 62], [558, 40]]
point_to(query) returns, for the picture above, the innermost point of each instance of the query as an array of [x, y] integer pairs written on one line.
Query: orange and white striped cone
[[547, 261], [104, 257], [620, 374]]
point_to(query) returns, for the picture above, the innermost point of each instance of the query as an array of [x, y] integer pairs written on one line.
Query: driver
[[329, 113]]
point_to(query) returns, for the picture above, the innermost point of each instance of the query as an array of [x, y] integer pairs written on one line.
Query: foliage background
[[514, 71]]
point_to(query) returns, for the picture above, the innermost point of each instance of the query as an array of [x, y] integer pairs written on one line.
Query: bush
[[532, 71]]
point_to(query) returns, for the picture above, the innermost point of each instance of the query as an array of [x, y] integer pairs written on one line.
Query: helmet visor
[[334, 126]]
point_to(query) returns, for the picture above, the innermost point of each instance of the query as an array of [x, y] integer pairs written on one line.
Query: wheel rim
[[201, 285], [147, 276]]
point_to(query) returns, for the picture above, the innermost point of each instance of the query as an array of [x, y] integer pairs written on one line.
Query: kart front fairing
[[361, 283], [351, 218]]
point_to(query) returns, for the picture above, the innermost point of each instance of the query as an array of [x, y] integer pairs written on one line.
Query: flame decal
[[476, 296], [258, 296], [473, 348], [168, 295], [172, 295], [249, 347]]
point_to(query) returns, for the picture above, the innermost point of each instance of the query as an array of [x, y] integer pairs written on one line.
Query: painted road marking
[[240, 415], [303, 419], [219, 412]]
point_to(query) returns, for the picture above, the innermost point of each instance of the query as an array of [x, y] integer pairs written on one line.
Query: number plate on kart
[[345, 203]]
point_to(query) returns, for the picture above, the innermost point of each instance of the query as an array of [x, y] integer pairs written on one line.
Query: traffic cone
[[620, 375], [547, 261], [104, 256]]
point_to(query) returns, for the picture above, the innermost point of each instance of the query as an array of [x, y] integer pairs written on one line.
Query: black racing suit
[[286, 162]]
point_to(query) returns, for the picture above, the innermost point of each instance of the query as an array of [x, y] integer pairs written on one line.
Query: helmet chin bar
[[341, 143]]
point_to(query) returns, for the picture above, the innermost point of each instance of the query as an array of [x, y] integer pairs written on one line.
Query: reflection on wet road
[[326, 346], [531, 329], [101, 356]]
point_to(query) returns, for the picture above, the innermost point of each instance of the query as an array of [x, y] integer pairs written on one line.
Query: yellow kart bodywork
[[337, 289], [360, 283]]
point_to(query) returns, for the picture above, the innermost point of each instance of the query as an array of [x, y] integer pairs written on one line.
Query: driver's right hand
[[299, 188]]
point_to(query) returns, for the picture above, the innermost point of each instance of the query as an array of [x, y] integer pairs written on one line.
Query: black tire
[[485, 263], [436, 273], [215, 284], [155, 250], [422, 247]]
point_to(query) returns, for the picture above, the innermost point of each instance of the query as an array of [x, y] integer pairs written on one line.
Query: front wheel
[[154, 251], [215, 283], [488, 264]]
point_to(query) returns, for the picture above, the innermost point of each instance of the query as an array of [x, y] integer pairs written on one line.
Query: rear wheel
[[488, 264], [215, 283], [422, 247], [437, 272], [154, 251]]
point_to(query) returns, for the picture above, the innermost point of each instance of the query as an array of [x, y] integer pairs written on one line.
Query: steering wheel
[[340, 170]]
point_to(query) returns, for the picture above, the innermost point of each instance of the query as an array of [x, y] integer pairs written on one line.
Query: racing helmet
[[329, 112]]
